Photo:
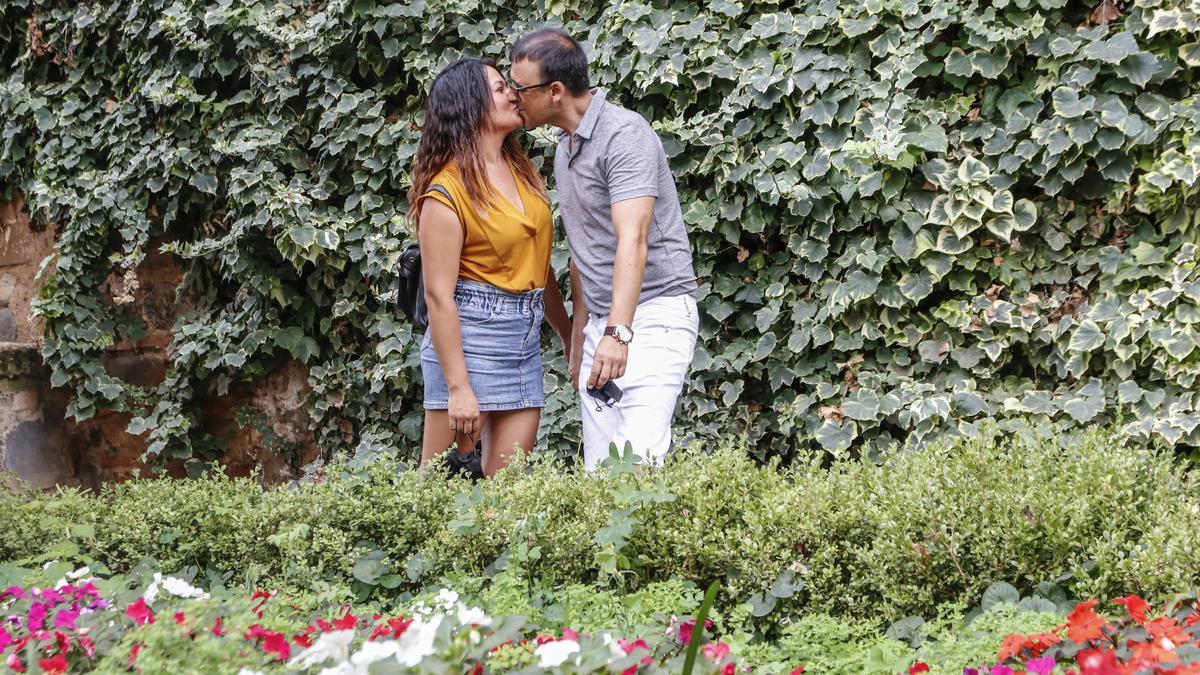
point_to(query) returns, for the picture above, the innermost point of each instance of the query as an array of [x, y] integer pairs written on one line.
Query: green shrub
[[952, 645], [858, 539]]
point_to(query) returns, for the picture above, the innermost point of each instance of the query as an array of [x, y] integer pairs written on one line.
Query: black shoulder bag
[[411, 296]]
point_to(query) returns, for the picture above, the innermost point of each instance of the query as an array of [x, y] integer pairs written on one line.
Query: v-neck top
[[502, 245]]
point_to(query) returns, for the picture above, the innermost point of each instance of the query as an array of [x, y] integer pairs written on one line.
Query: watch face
[[623, 333]]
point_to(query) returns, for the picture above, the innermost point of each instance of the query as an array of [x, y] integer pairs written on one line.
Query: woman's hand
[[464, 412], [574, 355]]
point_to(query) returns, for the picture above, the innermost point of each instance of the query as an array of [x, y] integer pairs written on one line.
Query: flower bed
[[157, 623]]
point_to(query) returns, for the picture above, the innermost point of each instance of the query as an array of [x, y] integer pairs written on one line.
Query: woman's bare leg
[[504, 432], [437, 436]]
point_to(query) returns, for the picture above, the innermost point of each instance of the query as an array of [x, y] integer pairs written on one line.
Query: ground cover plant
[[909, 217]]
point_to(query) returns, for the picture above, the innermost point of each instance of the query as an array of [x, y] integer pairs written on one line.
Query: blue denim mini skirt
[[501, 338]]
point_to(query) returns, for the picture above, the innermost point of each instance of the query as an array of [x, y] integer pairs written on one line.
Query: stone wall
[[265, 425]]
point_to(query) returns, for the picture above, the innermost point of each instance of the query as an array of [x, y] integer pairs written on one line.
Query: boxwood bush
[[1092, 516], [908, 216]]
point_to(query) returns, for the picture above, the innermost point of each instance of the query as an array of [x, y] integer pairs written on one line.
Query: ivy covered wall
[[908, 215]]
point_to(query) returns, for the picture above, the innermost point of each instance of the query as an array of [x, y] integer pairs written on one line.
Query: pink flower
[[14, 662], [715, 651], [6, 639], [1001, 670], [729, 669], [15, 591], [569, 634], [1042, 666], [37, 617], [686, 628], [631, 647], [65, 619], [798, 670], [140, 613]]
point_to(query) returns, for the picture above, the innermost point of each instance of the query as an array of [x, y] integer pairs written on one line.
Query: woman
[[485, 229]]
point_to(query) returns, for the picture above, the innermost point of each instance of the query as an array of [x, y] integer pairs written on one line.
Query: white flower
[[472, 616], [374, 651], [174, 586], [335, 645], [554, 654], [417, 642], [247, 671], [446, 598]]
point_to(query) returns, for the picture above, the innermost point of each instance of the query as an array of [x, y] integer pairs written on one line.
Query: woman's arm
[[579, 320], [441, 238], [556, 312]]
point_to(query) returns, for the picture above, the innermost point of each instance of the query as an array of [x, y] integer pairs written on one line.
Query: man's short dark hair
[[558, 55]]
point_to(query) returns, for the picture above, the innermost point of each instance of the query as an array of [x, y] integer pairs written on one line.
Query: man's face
[[535, 103]]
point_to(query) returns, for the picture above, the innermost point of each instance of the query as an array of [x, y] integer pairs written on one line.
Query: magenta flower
[[65, 619], [1042, 666], [36, 618], [1001, 670], [5, 639]]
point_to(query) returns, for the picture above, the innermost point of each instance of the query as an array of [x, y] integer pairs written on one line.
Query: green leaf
[[836, 438], [301, 347], [766, 345], [1112, 50], [973, 171], [204, 182], [1087, 337], [1067, 102], [999, 592], [916, 286]]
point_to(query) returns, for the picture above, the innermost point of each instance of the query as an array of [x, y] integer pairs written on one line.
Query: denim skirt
[[501, 339]]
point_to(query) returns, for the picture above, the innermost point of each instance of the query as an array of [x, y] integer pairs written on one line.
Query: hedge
[[908, 216], [1089, 518]]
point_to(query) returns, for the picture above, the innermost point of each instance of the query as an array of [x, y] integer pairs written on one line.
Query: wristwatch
[[622, 334]]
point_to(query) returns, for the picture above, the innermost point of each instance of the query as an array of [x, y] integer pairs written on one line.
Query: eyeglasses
[[521, 90]]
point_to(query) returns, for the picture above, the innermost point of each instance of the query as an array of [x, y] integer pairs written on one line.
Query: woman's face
[[504, 117]]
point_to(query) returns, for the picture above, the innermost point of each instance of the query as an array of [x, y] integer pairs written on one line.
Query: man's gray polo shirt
[[617, 156]]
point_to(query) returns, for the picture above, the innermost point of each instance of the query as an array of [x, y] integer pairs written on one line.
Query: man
[[632, 280]]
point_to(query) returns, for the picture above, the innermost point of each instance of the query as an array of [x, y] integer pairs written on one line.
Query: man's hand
[[609, 362]]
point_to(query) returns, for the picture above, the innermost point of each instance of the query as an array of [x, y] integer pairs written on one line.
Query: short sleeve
[[632, 163], [438, 196]]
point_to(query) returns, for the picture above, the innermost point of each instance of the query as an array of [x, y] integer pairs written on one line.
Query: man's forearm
[[628, 270]]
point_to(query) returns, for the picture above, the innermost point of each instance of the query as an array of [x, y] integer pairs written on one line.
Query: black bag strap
[[441, 190]]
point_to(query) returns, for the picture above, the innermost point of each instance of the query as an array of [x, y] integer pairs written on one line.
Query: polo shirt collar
[[587, 125]]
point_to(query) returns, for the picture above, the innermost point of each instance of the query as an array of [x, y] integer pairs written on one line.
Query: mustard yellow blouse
[[503, 246]]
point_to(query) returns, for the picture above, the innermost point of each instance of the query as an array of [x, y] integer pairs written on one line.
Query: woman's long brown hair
[[455, 114]]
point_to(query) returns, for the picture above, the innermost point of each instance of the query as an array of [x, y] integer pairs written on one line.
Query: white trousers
[[664, 341]]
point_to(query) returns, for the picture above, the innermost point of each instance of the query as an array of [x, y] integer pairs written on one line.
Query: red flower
[[54, 664], [277, 644], [14, 662], [139, 612], [392, 627], [568, 634], [1135, 606], [1084, 624], [1166, 628], [729, 669], [89, 647], [798, 670], [918, 667], [1098, 662], [1011, 646], [347, 622], [179, 619], [216, 629], [133, 654]]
